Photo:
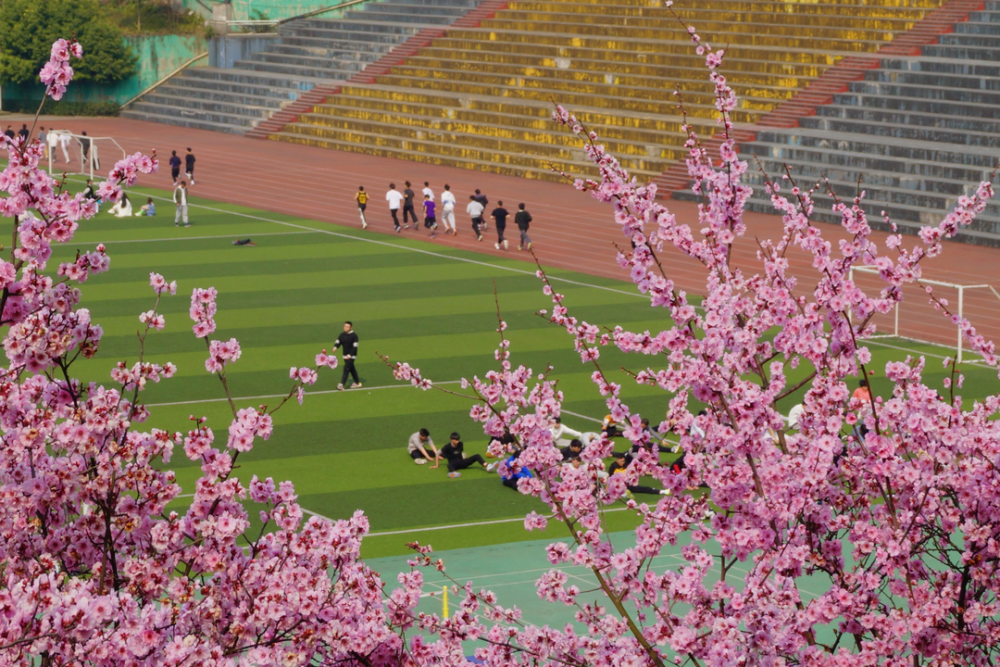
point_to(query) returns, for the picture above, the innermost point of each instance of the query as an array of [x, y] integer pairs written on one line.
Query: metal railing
[[269, 25], [163, 80]]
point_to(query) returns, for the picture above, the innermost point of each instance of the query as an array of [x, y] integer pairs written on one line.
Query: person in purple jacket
[[430, 222]]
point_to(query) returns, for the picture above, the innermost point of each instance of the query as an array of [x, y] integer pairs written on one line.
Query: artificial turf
[[287, 297]]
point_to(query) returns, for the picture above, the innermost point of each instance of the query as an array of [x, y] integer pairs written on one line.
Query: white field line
[[308, 393]]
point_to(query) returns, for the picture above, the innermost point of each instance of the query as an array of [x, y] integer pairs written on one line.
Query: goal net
[[78, 154], [919, 318]]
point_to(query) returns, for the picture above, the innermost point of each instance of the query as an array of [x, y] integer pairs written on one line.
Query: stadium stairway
[[481, 97], [310, 57], [917, 131]]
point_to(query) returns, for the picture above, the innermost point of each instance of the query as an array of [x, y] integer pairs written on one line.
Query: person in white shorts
[[448, 210]]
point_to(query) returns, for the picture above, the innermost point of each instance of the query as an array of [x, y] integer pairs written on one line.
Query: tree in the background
[[29, 27], [95, 567]]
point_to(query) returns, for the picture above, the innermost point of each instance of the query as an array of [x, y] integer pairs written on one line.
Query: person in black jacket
[[620, 465], [408, 207], [523, 221], [349, 341], [454, 454]]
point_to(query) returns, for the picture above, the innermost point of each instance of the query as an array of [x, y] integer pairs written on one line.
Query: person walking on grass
[[362, 198], [189, 165], [430, 222], [175, 166], [181, 200], [408, 207], [448, 210], [475, 211], [523, 220], [349, 341], [499, 216], [418, 445], [454, 454], [395, 199]]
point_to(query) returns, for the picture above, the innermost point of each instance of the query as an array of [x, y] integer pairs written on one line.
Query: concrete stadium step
[[596, 72], [779, 36], [406, 9], [598, 83], [812, 164], [960, 52], [979, 27], [344, 107], [324, 50], [916, 104], [960, 39], [296, 70], [910, 118], [908, 149], [333, 45], [597, 61], [151, 116], [214, 95], [313, 62], [402, 89], [947, 66], [243, 77], [939, 79], [476, 146], [934, 134], [207, 87], [926, 92], [469, 130], [237, 123], [173, 105]]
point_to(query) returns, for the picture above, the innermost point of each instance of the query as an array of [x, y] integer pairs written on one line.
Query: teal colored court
[[286, 298]]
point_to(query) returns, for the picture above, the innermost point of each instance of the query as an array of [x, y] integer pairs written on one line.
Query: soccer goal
[[84, 151], [917, 319]]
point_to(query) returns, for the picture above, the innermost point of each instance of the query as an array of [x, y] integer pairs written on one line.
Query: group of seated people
[[422, 449], [571, 443], [123, 208]]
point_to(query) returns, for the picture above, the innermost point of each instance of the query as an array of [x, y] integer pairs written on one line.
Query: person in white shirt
[[395, 199], [427, 192], [418, 446], [122, 207], [58, 138], [448, 210], [475, 211], [181, 200], [562, 434]]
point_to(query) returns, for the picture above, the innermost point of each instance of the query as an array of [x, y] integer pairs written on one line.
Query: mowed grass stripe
[[459, 308]]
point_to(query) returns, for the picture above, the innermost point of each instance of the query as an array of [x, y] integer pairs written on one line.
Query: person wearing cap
[[420, 442]]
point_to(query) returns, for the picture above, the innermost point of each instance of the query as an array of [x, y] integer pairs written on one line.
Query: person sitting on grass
[[514, 473], [562, 434], [572, 451], [419, 443], [454, 454], [610, 428], [148, 209], [122, 208], [620, 466]]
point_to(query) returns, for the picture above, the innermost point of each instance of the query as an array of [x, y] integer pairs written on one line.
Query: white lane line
[[464, 525], [308, 393], [401, 247], [202, 238]]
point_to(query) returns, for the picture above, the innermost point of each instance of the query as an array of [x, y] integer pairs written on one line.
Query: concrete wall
[[224, 50], [159, 55]]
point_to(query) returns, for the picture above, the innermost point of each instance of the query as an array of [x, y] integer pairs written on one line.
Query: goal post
[[914, 318], [76, 149]]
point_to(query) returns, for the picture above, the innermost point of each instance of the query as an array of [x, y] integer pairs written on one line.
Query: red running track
[[570, 231]]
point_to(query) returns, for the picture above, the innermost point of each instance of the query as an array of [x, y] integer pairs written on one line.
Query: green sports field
[[287, 297]]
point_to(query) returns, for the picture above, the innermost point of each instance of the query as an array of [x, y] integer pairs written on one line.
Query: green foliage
[[62, 107], [28, 28], [152, 17]]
